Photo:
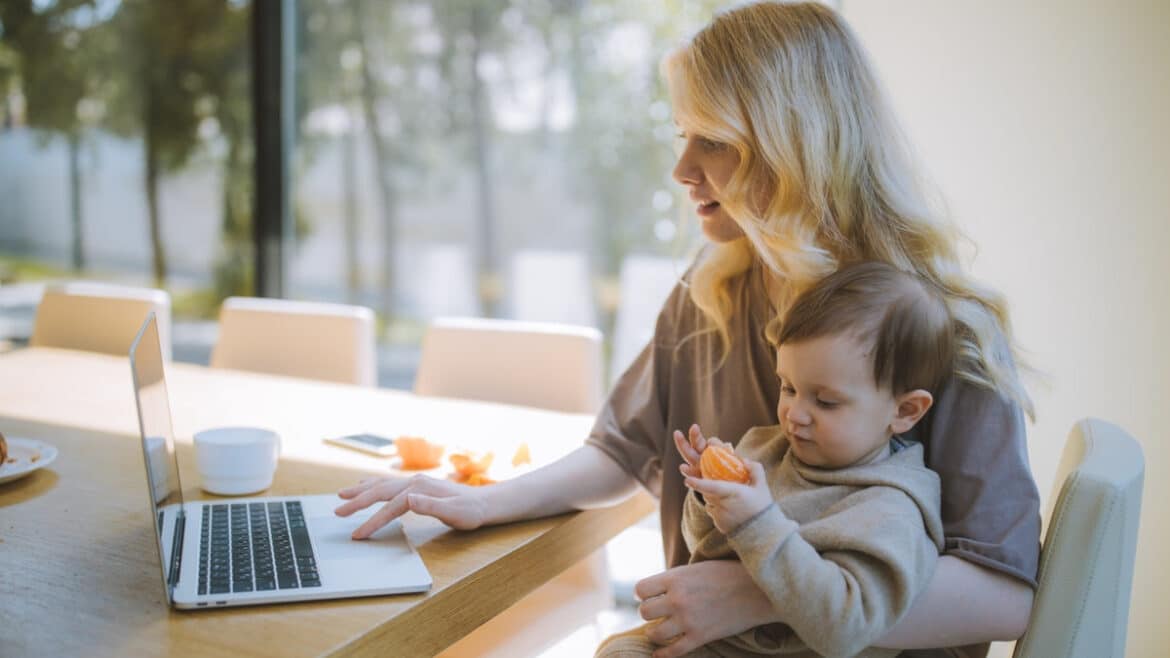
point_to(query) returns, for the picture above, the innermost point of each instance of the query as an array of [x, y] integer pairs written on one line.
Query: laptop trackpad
[[332, 536]]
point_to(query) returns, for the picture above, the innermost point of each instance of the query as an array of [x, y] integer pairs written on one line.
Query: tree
[[57, 79], [166, 54]]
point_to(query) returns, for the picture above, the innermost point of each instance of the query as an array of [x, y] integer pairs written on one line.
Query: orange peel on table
[[719, 462], [471, 469], [467, 464], [418, 454], [522, 455]]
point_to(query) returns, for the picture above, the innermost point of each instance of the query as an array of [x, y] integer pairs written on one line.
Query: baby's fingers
[[689, 455], [716, 488], [698, 441], [756, 469]]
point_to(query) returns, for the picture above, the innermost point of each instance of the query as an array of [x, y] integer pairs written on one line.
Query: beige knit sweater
[[841, 554]]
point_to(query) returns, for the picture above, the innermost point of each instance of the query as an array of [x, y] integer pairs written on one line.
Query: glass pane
[[126, 154], [500, 158]]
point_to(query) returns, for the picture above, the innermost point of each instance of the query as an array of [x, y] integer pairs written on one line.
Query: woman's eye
[[711, 145]]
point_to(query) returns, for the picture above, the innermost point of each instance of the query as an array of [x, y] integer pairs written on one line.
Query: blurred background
[[511, 158], [446, 157]]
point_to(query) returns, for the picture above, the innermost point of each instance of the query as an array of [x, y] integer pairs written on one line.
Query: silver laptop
[[247, 551]]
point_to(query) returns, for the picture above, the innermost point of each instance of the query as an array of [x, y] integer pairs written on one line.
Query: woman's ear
[[912, 406]]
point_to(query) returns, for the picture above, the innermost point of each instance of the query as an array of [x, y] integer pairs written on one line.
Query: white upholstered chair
[[549, 366], [644, 285], [1086, 564], [99, 317], [545, 365], [313, 340], [551, 285]]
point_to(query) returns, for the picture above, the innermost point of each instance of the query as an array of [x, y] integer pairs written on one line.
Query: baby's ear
[[912, 406]]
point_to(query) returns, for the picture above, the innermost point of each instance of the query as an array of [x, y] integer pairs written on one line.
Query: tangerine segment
[[719, 462], [417, 453]]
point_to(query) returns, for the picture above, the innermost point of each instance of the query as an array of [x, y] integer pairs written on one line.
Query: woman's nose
[[685, 171]]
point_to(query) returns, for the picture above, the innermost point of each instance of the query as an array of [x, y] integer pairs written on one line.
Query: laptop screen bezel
[[148, 339]]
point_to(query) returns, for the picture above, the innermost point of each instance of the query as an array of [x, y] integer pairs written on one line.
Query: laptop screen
[[154, 423]]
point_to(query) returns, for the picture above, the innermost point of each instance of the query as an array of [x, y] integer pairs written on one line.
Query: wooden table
[[79, 570]]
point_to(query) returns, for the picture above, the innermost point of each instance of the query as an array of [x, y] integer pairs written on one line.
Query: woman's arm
[[943, 615], [963, 604], [583, 479]]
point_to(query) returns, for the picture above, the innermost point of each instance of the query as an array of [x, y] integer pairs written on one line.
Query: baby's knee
[[630, 644]]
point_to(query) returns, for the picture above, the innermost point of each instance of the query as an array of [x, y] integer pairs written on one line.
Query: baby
[[839, 521]]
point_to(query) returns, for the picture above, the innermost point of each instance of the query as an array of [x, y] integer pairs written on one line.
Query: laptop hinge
[[177, 549]]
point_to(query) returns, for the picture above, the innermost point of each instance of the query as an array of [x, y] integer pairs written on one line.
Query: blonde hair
[[789, 87]]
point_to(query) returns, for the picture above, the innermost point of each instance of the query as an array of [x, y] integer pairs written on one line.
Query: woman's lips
[[708, 208]]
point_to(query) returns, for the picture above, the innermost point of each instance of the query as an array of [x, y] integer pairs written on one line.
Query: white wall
[[1045, 124]]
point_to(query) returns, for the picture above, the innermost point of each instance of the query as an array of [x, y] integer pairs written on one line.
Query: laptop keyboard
[[246, 547]]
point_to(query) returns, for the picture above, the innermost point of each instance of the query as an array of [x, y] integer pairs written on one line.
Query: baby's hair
[[899, 317]]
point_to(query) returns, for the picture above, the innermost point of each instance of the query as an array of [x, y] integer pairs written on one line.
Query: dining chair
[[549, 366], [644, 284], [98, 317], [312, 340], [551, 285], [1086, 564], [546, 365]]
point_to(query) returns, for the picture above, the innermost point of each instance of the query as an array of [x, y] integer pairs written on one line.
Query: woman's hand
[[731, 504], [681, 599], [458, 505]]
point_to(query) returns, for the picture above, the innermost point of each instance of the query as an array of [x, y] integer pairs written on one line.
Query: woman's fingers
[[390, 511], [653, 608], [458, 511], [350, 492], [652, 586]]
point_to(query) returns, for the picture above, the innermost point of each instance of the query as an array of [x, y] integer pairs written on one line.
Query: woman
[[796, 167]]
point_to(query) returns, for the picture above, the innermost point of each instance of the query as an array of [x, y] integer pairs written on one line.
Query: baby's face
[[830, 407]]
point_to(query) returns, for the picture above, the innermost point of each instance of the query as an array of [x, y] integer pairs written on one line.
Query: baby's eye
[[827, 404], [787, 390]]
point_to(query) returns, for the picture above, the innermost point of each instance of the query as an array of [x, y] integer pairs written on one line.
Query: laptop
[[248, 551]]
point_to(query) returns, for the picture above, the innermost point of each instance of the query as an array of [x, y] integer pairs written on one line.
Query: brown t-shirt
[[973, 438]]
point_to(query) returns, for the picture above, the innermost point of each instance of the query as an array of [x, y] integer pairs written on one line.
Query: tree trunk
[[75, 213], [387, 194], [158, 255], [487, 267], [349, 184]]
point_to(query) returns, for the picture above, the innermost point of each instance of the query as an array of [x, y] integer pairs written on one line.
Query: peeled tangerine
[[417, 453], [719, 462]]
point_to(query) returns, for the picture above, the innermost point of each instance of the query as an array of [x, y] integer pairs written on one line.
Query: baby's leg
[[635, 644], [629, 644]]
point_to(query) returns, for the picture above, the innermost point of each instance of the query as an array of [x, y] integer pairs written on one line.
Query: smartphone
[[368, 443]]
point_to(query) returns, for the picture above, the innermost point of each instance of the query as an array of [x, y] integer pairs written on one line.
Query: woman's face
[[704, 167]]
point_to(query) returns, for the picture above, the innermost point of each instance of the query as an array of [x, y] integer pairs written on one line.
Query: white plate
[[24, 457]]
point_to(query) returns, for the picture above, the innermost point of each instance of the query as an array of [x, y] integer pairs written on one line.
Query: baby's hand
[[732, 504], [691, 447]]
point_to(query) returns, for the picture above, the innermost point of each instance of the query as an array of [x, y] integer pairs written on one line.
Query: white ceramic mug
[[233, 461]]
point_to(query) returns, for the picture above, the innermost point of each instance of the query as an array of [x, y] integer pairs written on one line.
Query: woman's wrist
[[583, 479]]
